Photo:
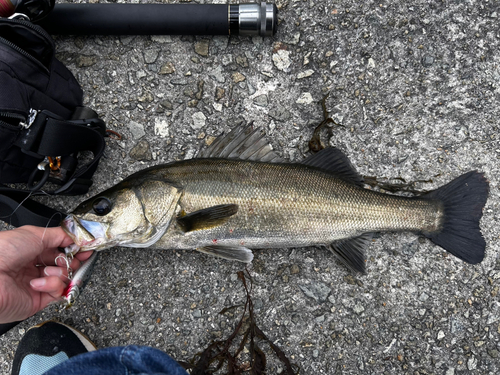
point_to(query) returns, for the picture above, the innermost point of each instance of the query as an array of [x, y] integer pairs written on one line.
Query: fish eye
[[101, 206]]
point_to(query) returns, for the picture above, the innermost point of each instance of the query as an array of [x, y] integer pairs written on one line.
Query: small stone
[[427, 61], [237, 77], [294, 269], [199, 120], [126, 40], [209, 140], [281, 59], [167, 68], [85, 61], [196, 313], [280, 113], [242, 61], [261, 100], [349, 279], [358, 309], [161, 38], [257, 304], [151, 328], [201, 48], [472, 363], [161, 128], [493, 353], [305, 74], [136, 129], [141, 151], [424, 297], [150, 55], [317, 291], [167, 104], [118, 312], [216, 73], [146, 98], [219, 93], [305, 98], [315, 353], [440, 335], [122, 283], [179, 81], [140, 74]]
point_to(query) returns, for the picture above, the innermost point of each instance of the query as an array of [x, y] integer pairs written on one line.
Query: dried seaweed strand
[[212, 359]]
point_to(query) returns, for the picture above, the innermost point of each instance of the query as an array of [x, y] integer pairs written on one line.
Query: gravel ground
[[415, 86]]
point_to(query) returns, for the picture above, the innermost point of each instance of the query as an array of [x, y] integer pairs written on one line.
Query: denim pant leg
[[127, 360]]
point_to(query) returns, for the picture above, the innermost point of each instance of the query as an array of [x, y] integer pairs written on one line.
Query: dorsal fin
[[334, 161], [243, 142]]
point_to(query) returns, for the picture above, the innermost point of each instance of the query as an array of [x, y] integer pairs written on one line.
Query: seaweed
[[213, 358], [315, 144], [403, 186]]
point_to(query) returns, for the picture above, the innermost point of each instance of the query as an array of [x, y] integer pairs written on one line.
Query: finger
[[60, 272], [50, 237], [84, 255], [50, 284], [52, 257]]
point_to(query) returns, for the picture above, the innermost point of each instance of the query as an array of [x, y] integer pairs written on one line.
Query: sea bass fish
[[238, 195]]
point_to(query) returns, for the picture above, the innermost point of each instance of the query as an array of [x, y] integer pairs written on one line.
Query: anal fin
[[351, 251], [207, 218], [239, 253]]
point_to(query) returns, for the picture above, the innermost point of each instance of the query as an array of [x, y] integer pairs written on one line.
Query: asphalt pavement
[[413, 88]]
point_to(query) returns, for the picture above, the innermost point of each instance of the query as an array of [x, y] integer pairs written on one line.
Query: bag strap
[[49, 135], [17, 209]]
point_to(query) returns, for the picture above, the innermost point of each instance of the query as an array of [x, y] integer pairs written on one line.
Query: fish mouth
[[88, 235]]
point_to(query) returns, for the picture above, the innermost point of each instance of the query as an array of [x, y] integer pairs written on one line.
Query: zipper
[[24, 122], [35, 28], [24, 53]]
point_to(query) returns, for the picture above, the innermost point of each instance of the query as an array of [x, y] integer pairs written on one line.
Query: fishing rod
[[259, 19]]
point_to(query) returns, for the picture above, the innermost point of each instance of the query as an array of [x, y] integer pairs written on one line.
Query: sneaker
[[47, 345]]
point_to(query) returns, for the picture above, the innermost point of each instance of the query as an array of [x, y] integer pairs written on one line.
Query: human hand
[[30, 278]]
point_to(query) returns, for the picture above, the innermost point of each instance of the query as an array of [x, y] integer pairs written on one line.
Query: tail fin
[[463, 200]]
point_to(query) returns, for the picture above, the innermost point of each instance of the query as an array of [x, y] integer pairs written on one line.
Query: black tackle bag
[[43, 126]]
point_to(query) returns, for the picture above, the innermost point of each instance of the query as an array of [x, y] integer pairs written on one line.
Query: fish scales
[[283, 205]]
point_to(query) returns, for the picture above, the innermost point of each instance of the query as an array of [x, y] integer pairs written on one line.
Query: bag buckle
[[31, 119]]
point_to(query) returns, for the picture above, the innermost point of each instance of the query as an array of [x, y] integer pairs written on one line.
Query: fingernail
[[52, 271], [38, 283]]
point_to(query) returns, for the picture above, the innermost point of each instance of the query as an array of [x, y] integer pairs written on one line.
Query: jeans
[[129, 360]]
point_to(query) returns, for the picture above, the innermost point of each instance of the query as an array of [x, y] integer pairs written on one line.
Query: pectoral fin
[[207, 218], [351, 251], [239, 253]]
